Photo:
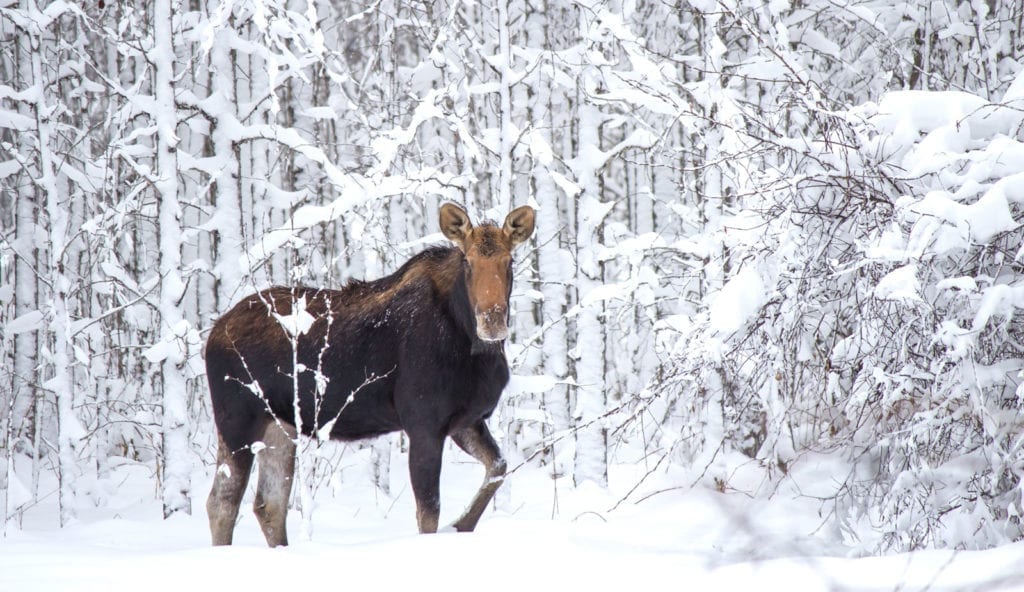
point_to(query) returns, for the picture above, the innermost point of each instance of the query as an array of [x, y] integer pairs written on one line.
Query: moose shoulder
[[419, 350]]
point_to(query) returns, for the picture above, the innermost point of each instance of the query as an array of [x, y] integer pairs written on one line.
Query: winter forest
[[771, 237]]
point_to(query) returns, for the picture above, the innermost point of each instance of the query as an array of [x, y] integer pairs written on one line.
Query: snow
[[529, 384], [898, 290], [998, 300], [656, 539], [899, 284], [29, 321], [819, 42], [299, 321], [17, 494], [982, 220], [739, 299]]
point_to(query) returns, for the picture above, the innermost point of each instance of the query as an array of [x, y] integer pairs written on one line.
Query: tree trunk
[[61, 383], [591, 395], [176, 480]]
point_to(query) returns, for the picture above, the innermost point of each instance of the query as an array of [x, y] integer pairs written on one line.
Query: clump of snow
[[25, 323], [17, 493], [299, 321], [998, 300], [738, 301], [980, 221], [519, 384], [899, 284]]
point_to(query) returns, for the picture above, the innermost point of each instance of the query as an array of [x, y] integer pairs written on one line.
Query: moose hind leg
[[274, 487], [478, 443], [229, 481]]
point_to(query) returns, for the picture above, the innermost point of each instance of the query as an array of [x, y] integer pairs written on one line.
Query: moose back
[[420, 350]]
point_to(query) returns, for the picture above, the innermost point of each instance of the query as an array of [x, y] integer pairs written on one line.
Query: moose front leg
[[425, 474], [478, 443]]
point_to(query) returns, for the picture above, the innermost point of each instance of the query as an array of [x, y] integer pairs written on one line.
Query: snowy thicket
[[770, 234]]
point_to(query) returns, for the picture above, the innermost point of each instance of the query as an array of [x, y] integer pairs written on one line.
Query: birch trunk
[[591, 462], [26, 347], [60, 384], [507, 132], [174, 427], [553, 262], [25, 392], [228, 222]]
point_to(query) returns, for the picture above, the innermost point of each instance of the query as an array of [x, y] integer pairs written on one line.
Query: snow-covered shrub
[[873, 317], [948, 430]]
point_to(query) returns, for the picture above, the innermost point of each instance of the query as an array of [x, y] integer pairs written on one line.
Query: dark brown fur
[[420, 351]]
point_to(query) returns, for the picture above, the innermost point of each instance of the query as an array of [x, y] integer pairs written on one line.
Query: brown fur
[[356, 298], [419, 350]]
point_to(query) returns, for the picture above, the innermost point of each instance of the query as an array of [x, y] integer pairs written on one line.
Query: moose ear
[[455, 224], [519, 224]]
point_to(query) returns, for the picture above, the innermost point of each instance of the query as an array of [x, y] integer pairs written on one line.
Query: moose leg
[[229, 481], [277, 467], [478, 442], [425, 474]]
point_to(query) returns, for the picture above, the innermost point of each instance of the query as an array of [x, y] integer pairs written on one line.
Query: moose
[[421, 350]]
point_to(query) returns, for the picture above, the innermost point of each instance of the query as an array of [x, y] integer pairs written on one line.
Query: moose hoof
[[463, 525]]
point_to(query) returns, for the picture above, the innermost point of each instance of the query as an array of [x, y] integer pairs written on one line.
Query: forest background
[[769, 233]]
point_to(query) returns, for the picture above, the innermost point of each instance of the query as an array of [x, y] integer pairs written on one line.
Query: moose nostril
[[496, 315], [491, 324]]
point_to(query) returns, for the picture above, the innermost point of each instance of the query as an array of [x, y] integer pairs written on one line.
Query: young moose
[[420, 351]]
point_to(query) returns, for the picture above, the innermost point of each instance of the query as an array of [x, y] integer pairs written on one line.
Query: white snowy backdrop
[[772, 237]]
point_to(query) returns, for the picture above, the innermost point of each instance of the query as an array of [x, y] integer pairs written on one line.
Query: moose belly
[[363, 411]]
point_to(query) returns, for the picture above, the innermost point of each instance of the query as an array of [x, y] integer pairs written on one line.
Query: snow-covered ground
[[543, 535]]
